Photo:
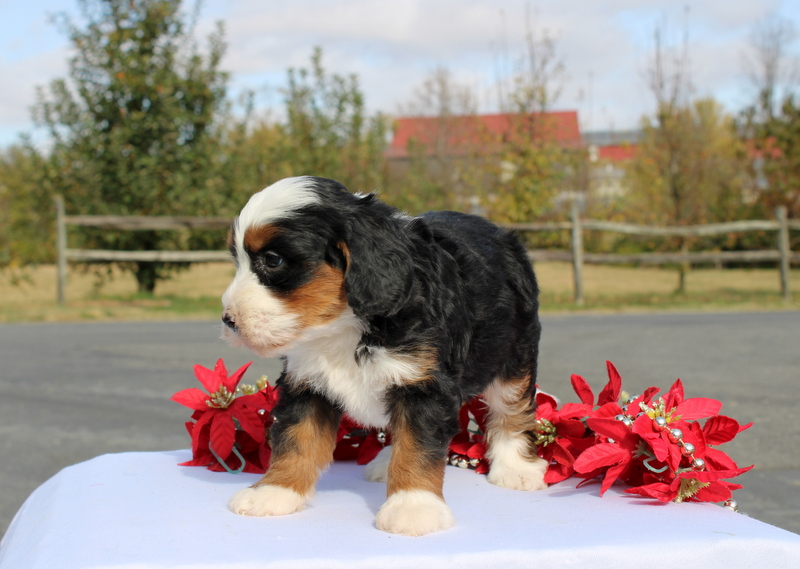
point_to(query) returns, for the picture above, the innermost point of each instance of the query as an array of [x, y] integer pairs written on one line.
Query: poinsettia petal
[[249, 421], [610, 393], [461, 448], [232, 382], [575, 411], [203, 460], [612, 474], [600, 455], [562, 455], [697, 408], [192, 398], [223, 435], [658, 490], [557, 472], [720, 429], [712, 475], [478, 450], [611, 409], [582, 389], [369, 449], [714, 492], [674, 396], [718, 460], [210, 379], [545, 399], [610, 428], [570, 428], [200, 435]]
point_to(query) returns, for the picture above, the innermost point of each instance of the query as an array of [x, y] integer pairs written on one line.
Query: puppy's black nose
[[228, 320]]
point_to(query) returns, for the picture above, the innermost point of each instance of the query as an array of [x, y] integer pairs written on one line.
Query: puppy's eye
[[272, 260]]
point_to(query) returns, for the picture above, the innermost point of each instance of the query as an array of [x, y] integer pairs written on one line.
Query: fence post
[[577, 251], [784, 250], [61, 247]]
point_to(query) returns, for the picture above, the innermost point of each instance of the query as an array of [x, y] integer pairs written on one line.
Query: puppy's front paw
[[518, 474], [414, 512], [266, 500], [377, 470]]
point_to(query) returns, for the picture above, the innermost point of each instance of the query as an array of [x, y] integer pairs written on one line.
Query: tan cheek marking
[[321, 300], [410, 468], [257, 237], [308, 450]]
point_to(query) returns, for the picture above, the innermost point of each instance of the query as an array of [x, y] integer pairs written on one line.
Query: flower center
[[221, 398]]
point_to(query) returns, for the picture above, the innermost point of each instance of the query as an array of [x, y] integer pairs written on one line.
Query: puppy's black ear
[[379, 276]]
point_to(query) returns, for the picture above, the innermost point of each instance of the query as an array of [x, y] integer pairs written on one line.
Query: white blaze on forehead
[[274, 202]]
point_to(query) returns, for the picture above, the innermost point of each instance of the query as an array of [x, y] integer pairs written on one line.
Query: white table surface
[[141, 510]]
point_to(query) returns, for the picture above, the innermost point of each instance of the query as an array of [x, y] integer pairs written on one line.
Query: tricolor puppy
[[394, 320]]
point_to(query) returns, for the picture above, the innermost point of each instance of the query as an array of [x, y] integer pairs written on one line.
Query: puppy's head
[[307, 251]]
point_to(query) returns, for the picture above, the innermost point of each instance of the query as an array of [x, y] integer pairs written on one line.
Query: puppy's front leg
[[303, 438], [421, 425]]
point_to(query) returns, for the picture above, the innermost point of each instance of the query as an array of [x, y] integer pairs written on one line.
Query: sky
[[606, 47]]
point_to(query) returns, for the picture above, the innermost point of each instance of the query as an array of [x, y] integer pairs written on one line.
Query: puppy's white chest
[[327, 364]]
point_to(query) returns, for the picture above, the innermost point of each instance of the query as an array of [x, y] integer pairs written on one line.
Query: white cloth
[[141, 510]]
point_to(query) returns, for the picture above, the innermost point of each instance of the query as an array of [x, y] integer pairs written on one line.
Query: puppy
[[394, 320]]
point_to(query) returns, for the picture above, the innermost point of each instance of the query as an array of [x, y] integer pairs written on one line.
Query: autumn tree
[[445, 156], [689, 166], [25, 185], [133, 126], [771, 124], [533, 165], [328, 131]]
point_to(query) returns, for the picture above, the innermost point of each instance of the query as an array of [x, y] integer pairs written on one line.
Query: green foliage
[[327, 131], [688, 167], [133, 127], [778, 165], [25, 190]]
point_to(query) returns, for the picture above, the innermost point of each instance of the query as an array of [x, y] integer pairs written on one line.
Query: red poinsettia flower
[[614, 453], [471, 443], [355, 442], [222, 420], [562, 435], [693, 486]]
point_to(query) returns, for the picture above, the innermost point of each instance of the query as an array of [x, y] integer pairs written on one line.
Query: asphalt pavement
[[69, 392]]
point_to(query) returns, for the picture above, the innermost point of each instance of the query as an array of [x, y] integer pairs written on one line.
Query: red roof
[[462, 134], [616, 152]]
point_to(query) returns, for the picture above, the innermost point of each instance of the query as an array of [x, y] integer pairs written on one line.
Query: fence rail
[[129, 223], [782, 254]]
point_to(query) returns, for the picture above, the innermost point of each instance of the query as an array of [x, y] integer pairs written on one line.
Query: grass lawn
[[195, 293]]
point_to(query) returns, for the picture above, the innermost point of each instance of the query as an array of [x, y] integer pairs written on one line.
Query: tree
[[134, 126], [688, 167], [24, 187], [770, 69], [446, 153], [534, 167], [327, 130], [689, 164], [771, 125]]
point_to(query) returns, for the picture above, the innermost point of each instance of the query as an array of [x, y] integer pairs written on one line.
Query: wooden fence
[[130, 223], [782, 254]]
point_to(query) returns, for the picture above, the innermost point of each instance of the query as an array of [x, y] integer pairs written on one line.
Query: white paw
[[414, 512], [518, 474], [377, 470], [266, 500]]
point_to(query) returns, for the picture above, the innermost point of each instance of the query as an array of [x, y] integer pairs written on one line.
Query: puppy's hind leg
[[511, 451]]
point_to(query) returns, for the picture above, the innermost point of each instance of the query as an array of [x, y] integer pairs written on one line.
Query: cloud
[[605, 46]]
